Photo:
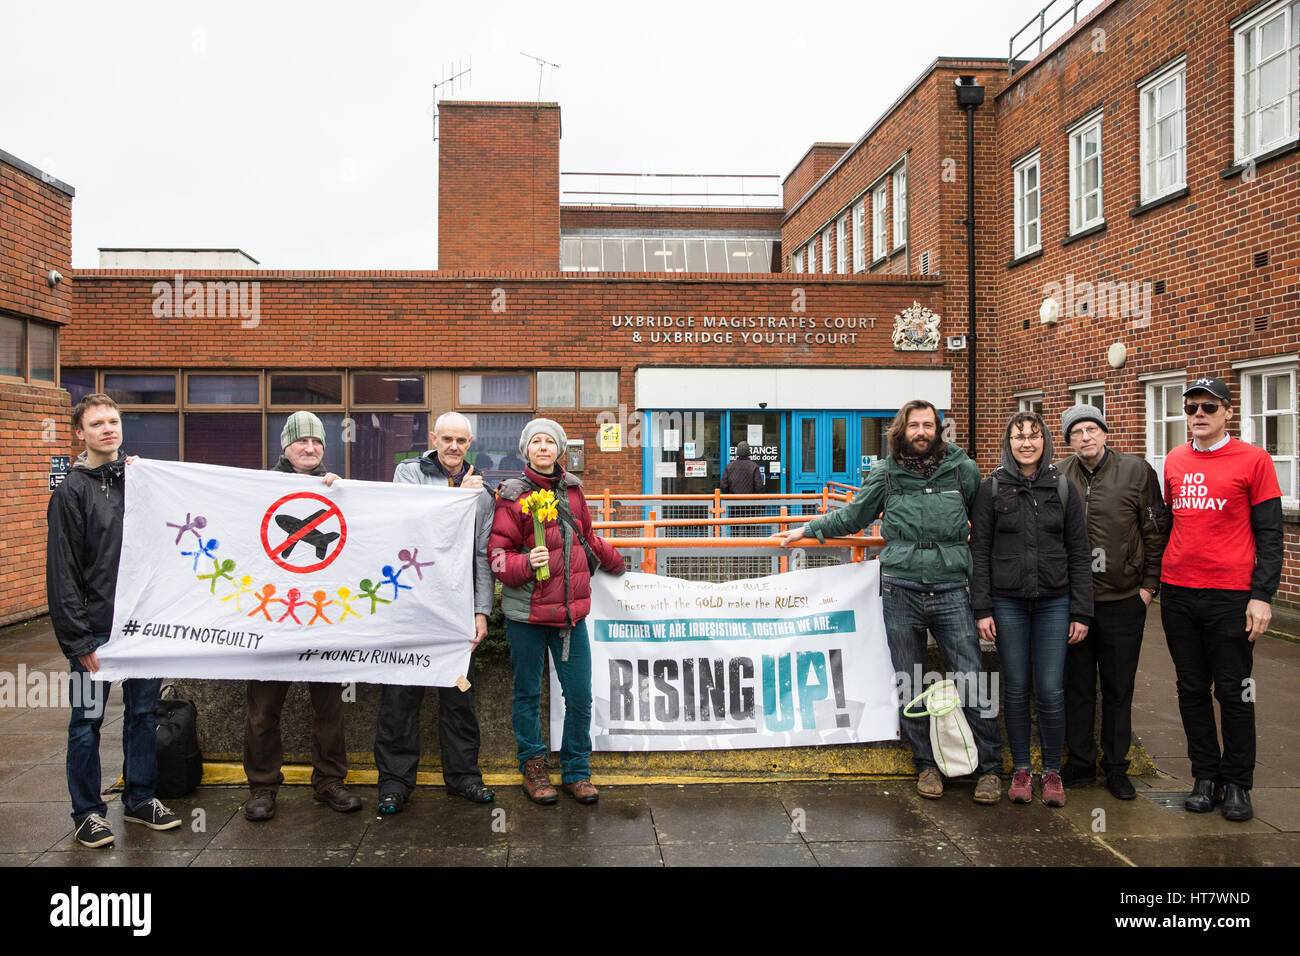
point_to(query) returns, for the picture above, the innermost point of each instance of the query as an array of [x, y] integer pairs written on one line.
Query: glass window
[[760, 255], [382, 439], [826, 250], [741, 256], [339, 431], [811, 255], [1267, 77], [599, 389], [1030, 403], [874, 441], [1027, 210], [555, 389], [221, 390], [11, 346], [1085, 175], [655, 256], [316, 388], [798, 261], [1166, 425], [879, 222], [570, 255], [613, 252], [841, 245], [900, 207], [41, 343], [507, 388], [214, 438], [716, 253], [388, 388], [1269, 419], [675, 259], [1096, 397], [127, 388], [808, 426], [591, 261], [839, 444], [1164, 134], [495, 452], [704, 429], [79, 382], [151, 435], [634, 255], [860, 236], [695, 258]]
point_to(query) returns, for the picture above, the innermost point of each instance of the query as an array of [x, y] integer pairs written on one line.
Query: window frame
[[25, 351], [1155, 427], [1025, 401], [826, 250], [1245, 38], [796, 262], [860, 235], [841, 245], [1019, 173], [880, 221], [1085, 390], [1148, 164], [810, 252], [900, 207], [1262, 368], [460, 406], [1079, 198], [263, 396]]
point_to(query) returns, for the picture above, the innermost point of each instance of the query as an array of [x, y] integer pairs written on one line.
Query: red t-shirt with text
[[1210, 495]]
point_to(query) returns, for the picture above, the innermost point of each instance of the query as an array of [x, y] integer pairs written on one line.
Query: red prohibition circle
[[331, 511]]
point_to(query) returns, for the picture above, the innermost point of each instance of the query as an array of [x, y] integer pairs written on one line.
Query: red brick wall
[[498, 186], [819, 158], [34, 425], [623, 217], [424, 320], [36, 223]]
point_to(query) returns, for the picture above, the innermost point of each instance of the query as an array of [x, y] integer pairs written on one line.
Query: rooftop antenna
[[541, 68], [456, 73]]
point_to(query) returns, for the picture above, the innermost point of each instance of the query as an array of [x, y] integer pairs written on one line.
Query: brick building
[[1141, 174]]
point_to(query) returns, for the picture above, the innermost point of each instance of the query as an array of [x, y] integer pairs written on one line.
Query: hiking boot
[[582, 790], [1236, 803], [260, 806], [1205, 796], [94, 831], [1053, 789], [154, 815], [1120, 788], [338, 797], [537, 782], [929, 784], [988, 789], [1022, 787]]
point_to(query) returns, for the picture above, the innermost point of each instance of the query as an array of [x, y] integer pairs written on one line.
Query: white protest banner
[[231, 573], [792, 660]]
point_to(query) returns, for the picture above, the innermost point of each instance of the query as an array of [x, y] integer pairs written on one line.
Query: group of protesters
[[1055, 563]]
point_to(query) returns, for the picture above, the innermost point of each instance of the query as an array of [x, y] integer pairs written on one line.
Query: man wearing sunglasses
[[1220, 571]]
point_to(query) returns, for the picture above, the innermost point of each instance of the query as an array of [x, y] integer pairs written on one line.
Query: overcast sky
[[302, 133]]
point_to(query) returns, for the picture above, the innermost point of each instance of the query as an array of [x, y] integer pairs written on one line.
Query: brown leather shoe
[[582, 790], [537, 782], [929, 784]]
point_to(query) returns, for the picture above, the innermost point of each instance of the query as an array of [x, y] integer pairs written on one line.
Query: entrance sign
[[225, 575], [791, 660]]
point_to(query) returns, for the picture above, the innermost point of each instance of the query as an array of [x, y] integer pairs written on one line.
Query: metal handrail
[[1043, 28]]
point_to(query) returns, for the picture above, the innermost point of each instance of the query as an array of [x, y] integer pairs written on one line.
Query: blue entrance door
[[823, 448]]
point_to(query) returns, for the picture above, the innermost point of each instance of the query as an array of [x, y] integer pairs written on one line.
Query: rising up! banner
[[231, 573], [791, 660]]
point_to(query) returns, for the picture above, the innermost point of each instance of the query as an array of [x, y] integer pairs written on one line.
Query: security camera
[[762, 404], [55, 277]]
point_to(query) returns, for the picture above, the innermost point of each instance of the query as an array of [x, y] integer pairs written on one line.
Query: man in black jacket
[[83, 548], [1128, 524]]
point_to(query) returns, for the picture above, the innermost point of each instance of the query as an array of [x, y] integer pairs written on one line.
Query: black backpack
[[180, 762]]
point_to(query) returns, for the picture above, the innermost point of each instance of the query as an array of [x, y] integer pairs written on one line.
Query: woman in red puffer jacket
[[549, 613]]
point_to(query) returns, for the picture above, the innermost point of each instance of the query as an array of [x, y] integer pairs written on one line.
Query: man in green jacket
[[1128, 525], [924, 490]]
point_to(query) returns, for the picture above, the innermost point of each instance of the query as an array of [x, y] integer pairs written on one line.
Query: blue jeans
[[1032, 639], [946, 615], [528, 645], [139, 741]]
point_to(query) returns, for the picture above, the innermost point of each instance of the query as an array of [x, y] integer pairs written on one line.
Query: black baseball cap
[[1215, 386]]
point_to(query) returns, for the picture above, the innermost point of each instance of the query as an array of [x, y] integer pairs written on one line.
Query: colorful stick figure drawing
[[391, 578], [346, 598], [264, 596], [220, 570], [295, 601], [241, 588], [198, 523], [372, 591], [409, 555], [204, 550], [320, 604]]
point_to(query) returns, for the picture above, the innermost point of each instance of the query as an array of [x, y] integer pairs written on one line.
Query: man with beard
[[924, 490]]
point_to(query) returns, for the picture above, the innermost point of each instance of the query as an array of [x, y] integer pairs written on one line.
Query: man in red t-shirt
[[1221, 568]]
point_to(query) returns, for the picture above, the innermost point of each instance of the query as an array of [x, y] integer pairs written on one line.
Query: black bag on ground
[[180, 763]]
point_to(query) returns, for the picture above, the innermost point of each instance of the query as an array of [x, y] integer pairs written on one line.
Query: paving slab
[[925, 851], [299, 823], [738, 854], [48, 747], [274, 857], [34, 826], [961, 816], [37, 720], [18, 859], [436, 820], [1078, 850], [432, 856], [720, 814], [1276, 806], [1245, 849], [116, 856], [41, 783], [585, 856], [618, 818], [830, 813]]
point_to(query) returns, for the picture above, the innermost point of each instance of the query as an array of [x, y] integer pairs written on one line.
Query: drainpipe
[[969, 96]]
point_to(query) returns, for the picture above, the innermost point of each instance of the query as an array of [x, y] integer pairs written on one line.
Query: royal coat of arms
[[916, 329]]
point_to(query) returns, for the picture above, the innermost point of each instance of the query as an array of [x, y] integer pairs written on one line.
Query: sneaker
[[338, 797], [474, 793], [1022, 787], [260, 806], [1053, 789], [391, 803], [988, 789], [94, 831], [929, 784], [154, 815]]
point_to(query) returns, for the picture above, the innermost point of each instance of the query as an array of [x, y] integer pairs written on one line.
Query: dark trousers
[[397, 737], [264, 747], [1108, 654], [1206, 633]]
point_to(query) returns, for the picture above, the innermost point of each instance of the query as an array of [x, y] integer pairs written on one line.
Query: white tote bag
[[950, 735]]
